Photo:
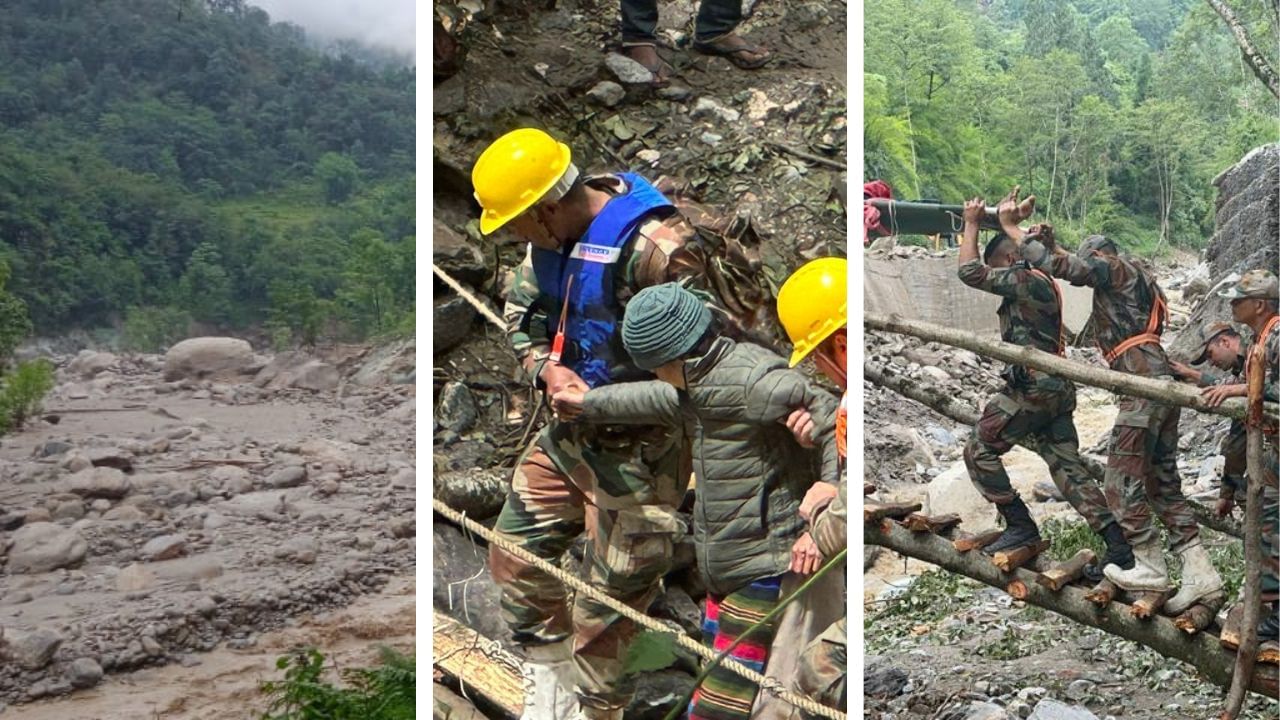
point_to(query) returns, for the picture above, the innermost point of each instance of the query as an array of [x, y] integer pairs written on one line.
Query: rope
[[769, 684], [466, 295]]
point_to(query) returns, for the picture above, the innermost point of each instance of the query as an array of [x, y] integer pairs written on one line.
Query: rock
[[89, 363], [1045, 491], [34, 650], [915, 448], [52, 448], [110, 457], [627, 71], [74, 461], [390, 364], [303, 549], [69, 510], [451, 319], [232, 479], [297, 370], [657, 694], [288, 477], [459, 258], [165, 547], [405, 527], [935, 374], [706, 107], [124, 513], [607, 93], [199, 358], [37, 515], [213, 521], [456, 408], [42, 546], [675, 93], [135, 578], [100, 482], [1053, 710], [151, 647], [710, 138], [84, 673], [457, 559], [953, 492], [1080, 690], [882, 680], [977, 710]]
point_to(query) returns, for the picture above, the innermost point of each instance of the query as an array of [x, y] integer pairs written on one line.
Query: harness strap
[[1159, 315], [1255, 371]]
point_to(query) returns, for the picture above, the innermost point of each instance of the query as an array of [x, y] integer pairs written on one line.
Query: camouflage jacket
[[1271, 382], [1030, 315], [830, 526], [1123, 295], [648, 261]]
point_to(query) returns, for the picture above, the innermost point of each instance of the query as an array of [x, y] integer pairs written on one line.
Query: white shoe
[[1148, 573], [1200, 578], [549, 682]]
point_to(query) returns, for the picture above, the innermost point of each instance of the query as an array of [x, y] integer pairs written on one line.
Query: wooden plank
[[967, 542], [936, 524], [479, 665], [1011, 560], [1063, 574], [872, 512]]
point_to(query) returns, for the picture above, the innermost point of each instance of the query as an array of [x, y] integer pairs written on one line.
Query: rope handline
[[770, 684]]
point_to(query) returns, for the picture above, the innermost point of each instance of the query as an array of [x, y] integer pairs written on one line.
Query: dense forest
[[1116, 114], [174, 165]]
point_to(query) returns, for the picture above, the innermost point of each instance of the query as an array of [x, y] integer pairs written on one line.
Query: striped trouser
[[724, 695]]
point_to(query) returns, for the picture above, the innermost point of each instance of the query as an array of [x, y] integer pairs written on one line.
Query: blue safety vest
[[594, 316]]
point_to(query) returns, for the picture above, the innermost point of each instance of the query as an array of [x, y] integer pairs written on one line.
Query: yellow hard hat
[[814, 303], [516, 171]]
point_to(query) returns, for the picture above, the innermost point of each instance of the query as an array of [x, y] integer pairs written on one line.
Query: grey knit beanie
[[663, 323]]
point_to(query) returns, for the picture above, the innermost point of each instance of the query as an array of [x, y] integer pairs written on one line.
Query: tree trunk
[[480, 667], [1256, 60], [1159, 633], [942, 403], [1165, 391]]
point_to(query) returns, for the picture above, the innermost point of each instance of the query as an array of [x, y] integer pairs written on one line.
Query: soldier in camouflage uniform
[[613, 235], [1222, 347], [1255, 302], [1129, 314], [1033, 403]]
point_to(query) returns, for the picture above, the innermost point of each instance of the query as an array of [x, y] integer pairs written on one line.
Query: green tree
[[205, 288], [339, 176]]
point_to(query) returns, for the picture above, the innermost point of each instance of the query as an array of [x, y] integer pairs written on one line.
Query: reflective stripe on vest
[[577, 283]]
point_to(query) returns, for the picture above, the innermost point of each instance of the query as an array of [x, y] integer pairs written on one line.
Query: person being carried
[[1255, 303], [1129, 315], [732, 399], [1222, 347], [1033, 404]]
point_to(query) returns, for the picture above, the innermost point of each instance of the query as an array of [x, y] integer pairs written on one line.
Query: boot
[[1199, 578], [1269, 625], [1148, 573], [1118, 553], [550, 681], [1019, 528]]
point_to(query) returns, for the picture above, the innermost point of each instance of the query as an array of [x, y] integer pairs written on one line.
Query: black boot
[[1019, 528], [1118, 553], [1269, 625]]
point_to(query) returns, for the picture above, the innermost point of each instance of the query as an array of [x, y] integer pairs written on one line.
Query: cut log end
[[872, 512], [1148, 604], [1102, 594], [967, 542], [1017, 590], [1011, 560], [1201, 615], [868, 488], [1269, 653], [1063, 574], [936, 524], [1230, 636]]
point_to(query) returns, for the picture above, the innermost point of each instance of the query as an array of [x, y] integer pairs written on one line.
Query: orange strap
[[557, 345], [1159, 314], [1255, 377], [842, 426], [1057, 291]]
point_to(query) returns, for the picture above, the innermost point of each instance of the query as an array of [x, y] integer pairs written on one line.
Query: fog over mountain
[[380, 23]]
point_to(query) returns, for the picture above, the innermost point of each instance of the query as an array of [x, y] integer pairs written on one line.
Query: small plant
[[22, 392], [385, 692], [1069, 537], [154, 329]]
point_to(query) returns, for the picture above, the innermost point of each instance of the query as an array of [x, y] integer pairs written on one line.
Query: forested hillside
[[1117, 115], [164, 162]]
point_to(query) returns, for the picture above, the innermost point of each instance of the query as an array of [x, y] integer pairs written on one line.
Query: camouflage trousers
[[1233, 450], [1044, 415], [621, 486], [824, 666], [1142, 473], [1271, 520]]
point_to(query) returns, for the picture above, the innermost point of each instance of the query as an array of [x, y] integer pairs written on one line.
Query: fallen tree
[[944, 404], [1165, 391], [1202, 650]]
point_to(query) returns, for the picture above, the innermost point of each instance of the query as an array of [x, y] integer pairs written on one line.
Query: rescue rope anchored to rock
[[769, 684]]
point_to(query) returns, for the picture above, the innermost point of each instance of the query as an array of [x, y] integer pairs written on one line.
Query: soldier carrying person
[[1033, 404]]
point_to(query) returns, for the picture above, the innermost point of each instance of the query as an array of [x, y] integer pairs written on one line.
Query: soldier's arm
[[773, 390], [526, 326], [830, 525], [651, 402], [1005, 282], [1270, 388], [1095, 272]]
